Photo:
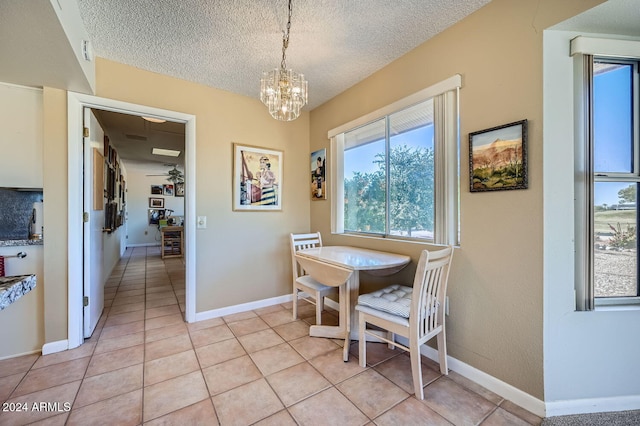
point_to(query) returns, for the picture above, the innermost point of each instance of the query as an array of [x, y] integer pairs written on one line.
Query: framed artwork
[[155, 216], [318, 175], [498, 158], [167, 189], [257, 178], [156, 203], [179, 189], [156, 190]]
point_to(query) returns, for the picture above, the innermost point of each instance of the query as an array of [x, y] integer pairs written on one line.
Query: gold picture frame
[[257, 178]]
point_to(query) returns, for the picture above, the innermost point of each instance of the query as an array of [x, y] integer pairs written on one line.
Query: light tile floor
[[144, 364]]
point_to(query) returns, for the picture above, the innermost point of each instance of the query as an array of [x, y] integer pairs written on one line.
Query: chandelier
[[283, 90]]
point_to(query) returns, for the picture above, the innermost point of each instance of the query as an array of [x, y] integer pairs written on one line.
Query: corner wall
[[591, 358], [496, 283]]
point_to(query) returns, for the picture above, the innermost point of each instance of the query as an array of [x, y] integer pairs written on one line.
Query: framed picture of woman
[[318, 175], [257, 178]]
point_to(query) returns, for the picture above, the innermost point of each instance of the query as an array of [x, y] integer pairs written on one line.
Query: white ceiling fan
[[174, 175]]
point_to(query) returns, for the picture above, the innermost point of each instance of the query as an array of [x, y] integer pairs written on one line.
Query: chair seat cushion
[[395, 299]]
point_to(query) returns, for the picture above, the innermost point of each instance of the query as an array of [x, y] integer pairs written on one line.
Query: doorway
[[76, 104]]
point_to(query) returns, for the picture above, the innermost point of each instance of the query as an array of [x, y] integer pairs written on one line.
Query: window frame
[[584, 50], [445, 96]]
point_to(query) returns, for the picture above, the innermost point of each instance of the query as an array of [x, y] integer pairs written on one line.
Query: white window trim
[[583, 49], [447, 167]]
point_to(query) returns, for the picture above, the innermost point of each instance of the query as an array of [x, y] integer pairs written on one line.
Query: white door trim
[[75, 103]]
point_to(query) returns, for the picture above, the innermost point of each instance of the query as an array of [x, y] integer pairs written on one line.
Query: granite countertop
[[17, 243], [13, 288]]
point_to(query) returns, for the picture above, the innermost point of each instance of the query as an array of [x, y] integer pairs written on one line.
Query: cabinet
[[172, 241]]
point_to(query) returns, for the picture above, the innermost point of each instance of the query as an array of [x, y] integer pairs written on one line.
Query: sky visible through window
[[612, 131], [361, 159]]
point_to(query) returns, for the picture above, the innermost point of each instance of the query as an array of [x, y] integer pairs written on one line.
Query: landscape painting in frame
[[318, 176], [257, 178], [498, 158]]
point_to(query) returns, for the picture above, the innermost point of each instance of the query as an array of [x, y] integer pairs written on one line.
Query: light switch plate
[[202, 222]]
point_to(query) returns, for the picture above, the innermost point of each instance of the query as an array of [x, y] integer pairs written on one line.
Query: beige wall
[[55, 214], [496, 305], [20, 136], [241, 256], [21, 166]]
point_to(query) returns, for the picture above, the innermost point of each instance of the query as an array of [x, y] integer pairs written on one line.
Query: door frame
[[75, 104]]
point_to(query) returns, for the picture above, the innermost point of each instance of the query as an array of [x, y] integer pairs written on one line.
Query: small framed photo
[[318, 175], [156, 190], [498, 158], [167, 190], [156, 203], [179, 189], [257, 178]]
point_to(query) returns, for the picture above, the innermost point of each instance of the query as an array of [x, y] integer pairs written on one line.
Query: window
[[616, 178], [607, 197], [396, 169]]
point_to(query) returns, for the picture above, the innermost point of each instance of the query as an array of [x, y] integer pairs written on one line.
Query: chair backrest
[[300, 242], [325, 273], [430, 289]]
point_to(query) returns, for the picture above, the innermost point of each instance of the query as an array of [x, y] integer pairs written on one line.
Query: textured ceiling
[[228, 44]]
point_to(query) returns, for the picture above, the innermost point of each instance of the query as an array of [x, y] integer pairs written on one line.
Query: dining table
[[356, 259]]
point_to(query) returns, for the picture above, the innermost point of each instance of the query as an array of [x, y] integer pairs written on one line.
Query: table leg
[[332, 331], [345, 315], [354, 292]]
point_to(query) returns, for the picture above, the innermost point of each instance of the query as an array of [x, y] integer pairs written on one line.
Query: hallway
[[144, 364]]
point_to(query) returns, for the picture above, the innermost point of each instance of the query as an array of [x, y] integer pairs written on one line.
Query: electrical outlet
[[202, 222], [446, 305]]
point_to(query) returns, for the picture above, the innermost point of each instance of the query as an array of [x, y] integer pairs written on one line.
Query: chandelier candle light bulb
[[283, 90]]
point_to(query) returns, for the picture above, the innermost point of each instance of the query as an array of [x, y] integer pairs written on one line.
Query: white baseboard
[[143, 245], [243, 307], [53, 347], [497, 386], [593, 405]]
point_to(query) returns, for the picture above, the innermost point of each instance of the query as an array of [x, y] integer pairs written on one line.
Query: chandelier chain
[[283, 90], [285, 40]]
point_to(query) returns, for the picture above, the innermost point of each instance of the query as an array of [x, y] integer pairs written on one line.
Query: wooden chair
[[302, 282], [415, 313]]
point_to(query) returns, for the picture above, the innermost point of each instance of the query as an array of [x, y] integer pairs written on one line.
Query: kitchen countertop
[[13, 288], [17, 243]]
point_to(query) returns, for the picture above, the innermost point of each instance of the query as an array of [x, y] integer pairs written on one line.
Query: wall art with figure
[[257, 178], [318, 175]]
